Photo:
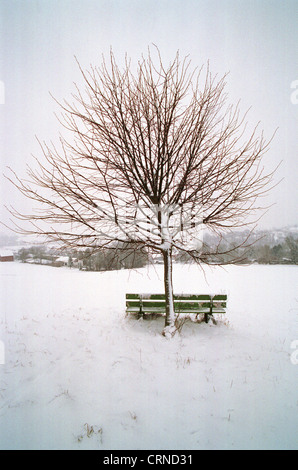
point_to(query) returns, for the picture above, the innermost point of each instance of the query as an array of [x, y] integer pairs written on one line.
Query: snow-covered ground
[[79, 375]]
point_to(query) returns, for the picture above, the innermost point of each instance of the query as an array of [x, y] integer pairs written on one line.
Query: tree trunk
[[169, 329]]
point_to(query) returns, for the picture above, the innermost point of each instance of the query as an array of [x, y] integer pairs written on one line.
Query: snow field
[[78, 374]]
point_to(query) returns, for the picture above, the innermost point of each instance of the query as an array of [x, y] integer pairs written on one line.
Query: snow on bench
[[144, 305]]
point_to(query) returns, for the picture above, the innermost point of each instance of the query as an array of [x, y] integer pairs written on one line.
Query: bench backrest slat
[[181, 301], [131, 303], [132, 296], [219, 297], [176, 297], [191, 297]]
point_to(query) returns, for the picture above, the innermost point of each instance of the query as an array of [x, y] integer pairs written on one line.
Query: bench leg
[[140, 314], [209, 316]]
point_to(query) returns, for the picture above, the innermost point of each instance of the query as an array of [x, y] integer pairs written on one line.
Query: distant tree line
[[117, 257], [282, 253], [36, 253], [128, 257], [124, 257]]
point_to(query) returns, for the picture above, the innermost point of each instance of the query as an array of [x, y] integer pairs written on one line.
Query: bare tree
[[154, 155]]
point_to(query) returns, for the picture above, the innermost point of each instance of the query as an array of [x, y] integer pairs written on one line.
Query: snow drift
[[78, 374]]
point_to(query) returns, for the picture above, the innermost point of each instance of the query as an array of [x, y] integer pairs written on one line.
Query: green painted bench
[[145, 305]]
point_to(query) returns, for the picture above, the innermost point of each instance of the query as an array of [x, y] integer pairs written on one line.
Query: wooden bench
[[150, 305]]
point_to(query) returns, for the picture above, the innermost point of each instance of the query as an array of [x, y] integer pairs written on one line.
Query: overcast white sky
[[255, 40]]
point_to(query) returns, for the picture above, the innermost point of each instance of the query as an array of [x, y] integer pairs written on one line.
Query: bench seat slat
[[186, 304]]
